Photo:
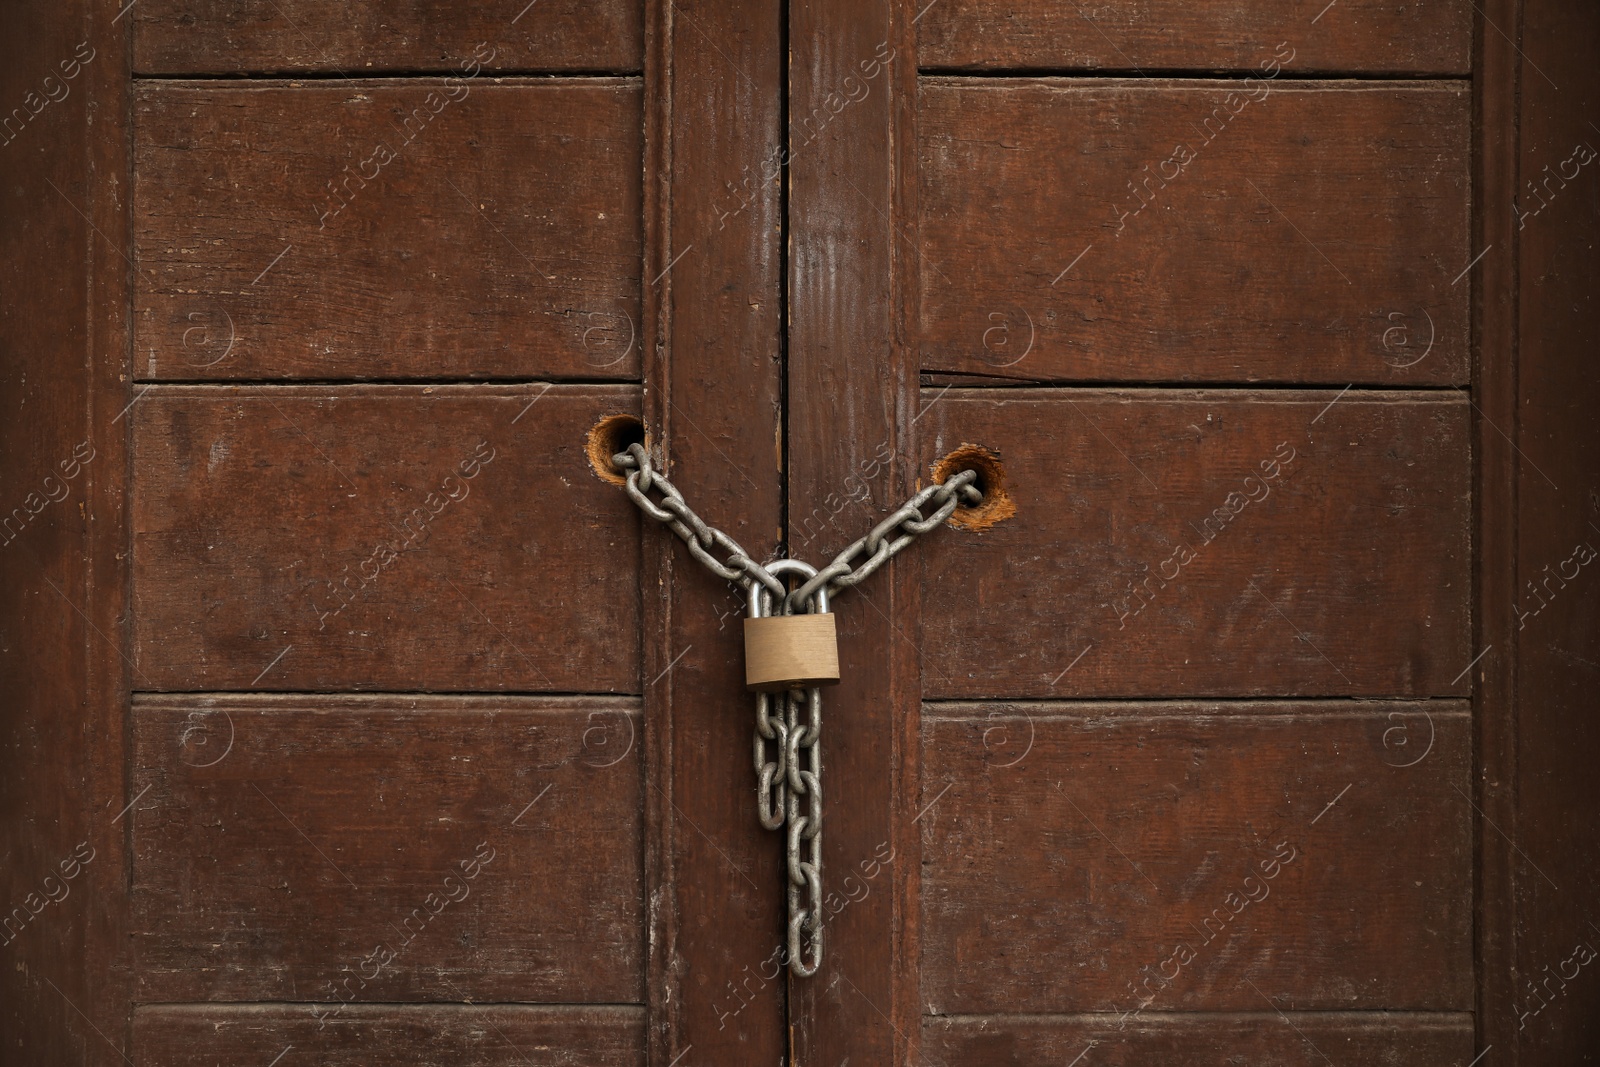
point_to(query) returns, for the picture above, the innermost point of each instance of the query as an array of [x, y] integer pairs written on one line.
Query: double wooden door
[[375, 725]]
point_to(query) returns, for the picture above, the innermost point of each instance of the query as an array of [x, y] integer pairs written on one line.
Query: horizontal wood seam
[[213, 383], [369, 1006], [265, 79], [991, 382], [1100, 77], [1446, 1018], [156, 697], [1188, 74], [456, 386], [1332, 702], [1312, 393]]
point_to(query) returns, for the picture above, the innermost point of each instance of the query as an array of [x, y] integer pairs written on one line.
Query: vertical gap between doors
[[784, 277]]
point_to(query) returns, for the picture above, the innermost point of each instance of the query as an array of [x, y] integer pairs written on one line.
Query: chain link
[[771, 775], [786, 753], [675, 514], [789, 789], [805, 913], [946, 496]]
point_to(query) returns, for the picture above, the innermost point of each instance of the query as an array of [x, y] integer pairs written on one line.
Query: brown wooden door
[[382, 768], [354, 715], [386, 737], [1195, 743]]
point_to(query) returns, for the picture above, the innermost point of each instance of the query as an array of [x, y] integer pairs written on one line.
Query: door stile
[[905, 267], [1555, 220], [852, 394], [107, 589], [64, 672], [713, 406], [655, 558], [1494, 383]]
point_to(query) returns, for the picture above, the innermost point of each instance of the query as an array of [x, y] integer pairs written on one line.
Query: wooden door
[[356, 741], [1201, 741], [354, 716], [386, 735]]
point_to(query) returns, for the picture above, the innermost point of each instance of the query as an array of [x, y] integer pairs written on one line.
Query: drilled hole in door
[[609, 436], [996, 505]]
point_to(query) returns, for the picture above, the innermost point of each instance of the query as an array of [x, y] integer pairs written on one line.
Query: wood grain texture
[[1428, 36], [851, 386], [434, 1035], [345, 849], [381, 537], [103, 600], [1195, 231], [1119, 857], [425, 229], [63, 327], [366, 36], [1261, 1038], [1496, 95], [1554, 1012], [1214, 542], [657, 654], [715, 394]]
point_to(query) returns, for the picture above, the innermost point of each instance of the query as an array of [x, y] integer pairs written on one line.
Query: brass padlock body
[[790, 651]]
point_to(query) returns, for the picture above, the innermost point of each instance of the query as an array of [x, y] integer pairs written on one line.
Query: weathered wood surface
[[1215, 542], [449, 301], [1426, 36], [714, 390], [434, 228], [431, 1035], [850, 381], [1554, 1012], [366, 36], [381, 537], [350, 850], [1263, 1038], [1233, 231], [63, 534], [1168, 856], [1496, 392]]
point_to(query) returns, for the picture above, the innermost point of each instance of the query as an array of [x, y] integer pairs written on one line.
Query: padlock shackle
[[757, 600]]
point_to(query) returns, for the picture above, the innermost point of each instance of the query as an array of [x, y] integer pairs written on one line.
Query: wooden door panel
[[344, 37], [428, 228], [715, 401], [1427, 36], [1208, 542], [335, 848], [440, 538], [1100, 858], [431, 1035], [1205, 231], [1552, 613], [1261, 1038]]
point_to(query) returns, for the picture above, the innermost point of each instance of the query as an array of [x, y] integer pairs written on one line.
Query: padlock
[[789, 651]]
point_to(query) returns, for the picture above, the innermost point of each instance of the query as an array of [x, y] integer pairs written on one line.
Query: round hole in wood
[[997, 504], [609, 436]]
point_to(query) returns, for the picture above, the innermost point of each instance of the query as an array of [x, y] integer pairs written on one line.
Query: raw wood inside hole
[[611, 435], [997, 504]]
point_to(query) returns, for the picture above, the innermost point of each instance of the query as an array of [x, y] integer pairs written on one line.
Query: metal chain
[[675, 513], [805, 875], [785, 752], [789, 790], [909, 520]]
